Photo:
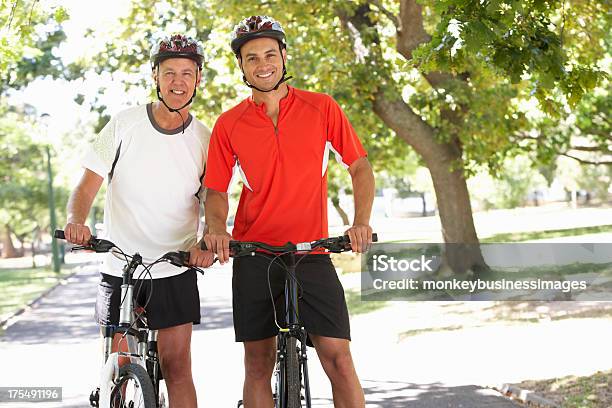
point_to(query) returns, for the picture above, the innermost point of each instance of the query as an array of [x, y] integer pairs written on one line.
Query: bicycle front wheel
[[292, 370], [133, 389]]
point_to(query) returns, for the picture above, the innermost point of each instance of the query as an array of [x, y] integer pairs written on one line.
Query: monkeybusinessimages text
[[424, 264]]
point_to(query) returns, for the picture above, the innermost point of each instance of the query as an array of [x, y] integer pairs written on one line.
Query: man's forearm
[[363, 191], [216, 210], [79, 205]]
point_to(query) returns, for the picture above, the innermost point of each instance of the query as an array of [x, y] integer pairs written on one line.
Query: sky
[[56, 97]]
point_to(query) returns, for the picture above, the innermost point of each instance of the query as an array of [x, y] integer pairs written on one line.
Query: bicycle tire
[[133, 389], [292, 367]]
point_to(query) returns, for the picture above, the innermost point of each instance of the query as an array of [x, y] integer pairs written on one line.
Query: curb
[[8, 321], [527, 397]]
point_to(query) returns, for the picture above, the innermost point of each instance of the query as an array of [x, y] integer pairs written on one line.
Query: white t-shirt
[[151, 204]]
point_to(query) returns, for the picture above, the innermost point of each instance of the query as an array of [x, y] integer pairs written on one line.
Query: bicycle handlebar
[[335, 245], [177, 258]]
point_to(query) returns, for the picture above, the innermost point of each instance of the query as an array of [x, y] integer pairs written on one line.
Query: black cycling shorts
[[174, 300], [321, 308]]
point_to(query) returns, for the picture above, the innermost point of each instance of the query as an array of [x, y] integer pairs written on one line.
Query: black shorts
[[174, 300], [321, 308]]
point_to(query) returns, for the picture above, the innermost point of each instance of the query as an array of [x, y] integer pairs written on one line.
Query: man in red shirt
[[279, 140]]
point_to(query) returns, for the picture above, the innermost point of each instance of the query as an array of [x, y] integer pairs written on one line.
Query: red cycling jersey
[[284, 168]]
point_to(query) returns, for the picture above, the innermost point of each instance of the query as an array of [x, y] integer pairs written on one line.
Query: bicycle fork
[[303, 359], [291, 307]]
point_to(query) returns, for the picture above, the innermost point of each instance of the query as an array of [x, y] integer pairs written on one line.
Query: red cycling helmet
[[177, 46], [256, 27]]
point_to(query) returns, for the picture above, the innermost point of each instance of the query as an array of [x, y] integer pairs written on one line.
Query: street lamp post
[[53, 221]]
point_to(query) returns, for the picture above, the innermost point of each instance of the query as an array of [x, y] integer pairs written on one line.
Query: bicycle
[[291, 367], [137, 384]]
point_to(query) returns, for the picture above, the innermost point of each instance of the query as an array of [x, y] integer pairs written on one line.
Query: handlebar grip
[[374, 238], [59, 234]]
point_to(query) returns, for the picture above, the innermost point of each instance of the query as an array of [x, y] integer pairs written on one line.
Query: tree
[[472, 63], [29, 35], [445, 77], [24, 192], [509, 189], [585, 135]]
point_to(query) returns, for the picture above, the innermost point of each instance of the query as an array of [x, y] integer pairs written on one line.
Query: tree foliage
[[24, 194], [500, 53], [29, 37], [27, 41], [541, 41]]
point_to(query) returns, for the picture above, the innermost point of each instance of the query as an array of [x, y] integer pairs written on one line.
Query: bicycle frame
[[145, 353], [144, 359]]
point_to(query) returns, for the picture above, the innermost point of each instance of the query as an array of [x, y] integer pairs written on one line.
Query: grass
[[533, 235], [575, 392], [509, 313], [416, 332], [348, 262], [20, 286], [358, 306]]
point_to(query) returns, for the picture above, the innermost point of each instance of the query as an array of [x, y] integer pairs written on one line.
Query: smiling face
[[262, 62], [177, 79]]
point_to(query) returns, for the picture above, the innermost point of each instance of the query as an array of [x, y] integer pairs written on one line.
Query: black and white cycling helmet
[[256, 27], [177, 46]]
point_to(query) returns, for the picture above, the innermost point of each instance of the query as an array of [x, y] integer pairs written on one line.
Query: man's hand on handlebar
[[78, 234], [218, 242], [200, 258], [361, 238]]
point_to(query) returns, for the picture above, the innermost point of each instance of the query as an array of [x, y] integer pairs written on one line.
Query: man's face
[[262, 62], [177, 78]]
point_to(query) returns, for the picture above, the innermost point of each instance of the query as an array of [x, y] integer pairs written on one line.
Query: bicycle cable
[[292, 276], [276, 257], [146, 271]]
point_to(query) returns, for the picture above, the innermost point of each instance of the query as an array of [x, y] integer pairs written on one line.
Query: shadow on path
[[394, 394]]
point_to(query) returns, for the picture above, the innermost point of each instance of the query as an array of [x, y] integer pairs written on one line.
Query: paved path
[[56, 344]]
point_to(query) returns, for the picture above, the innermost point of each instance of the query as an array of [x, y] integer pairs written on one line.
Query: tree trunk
[[345, 219], [33, 247], [8, 249], [445, 166], [424, 204], [444, 160], [463, 249]]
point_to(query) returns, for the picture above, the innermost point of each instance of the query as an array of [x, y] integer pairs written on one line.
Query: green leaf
[[61, 15]]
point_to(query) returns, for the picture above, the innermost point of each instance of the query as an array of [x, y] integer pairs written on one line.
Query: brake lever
[[81, 248], [100, 245], [196, 269], [178, 258]]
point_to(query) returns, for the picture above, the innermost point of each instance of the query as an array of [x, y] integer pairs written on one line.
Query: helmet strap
[[173, 109]]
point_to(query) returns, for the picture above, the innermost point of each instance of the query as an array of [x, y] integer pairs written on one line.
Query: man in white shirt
[[154, 157]]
